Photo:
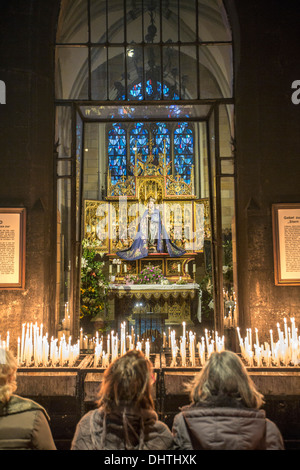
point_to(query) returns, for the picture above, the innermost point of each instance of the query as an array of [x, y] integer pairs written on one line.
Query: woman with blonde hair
[[124, 418], [225, 413], [24, 424]]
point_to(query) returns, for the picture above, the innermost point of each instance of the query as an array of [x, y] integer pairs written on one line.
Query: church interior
[[150, 196]]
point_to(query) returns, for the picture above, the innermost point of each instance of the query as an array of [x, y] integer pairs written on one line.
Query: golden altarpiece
[[113, 223]]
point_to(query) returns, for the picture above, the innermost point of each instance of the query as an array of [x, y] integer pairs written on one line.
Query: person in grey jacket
[[225, 413], [24, 424], [125, 418]]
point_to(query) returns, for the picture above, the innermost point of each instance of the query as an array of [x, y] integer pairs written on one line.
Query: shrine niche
[[113, 223], [150, 219]]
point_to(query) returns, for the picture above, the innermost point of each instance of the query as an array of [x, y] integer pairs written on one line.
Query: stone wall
[[27, 31]]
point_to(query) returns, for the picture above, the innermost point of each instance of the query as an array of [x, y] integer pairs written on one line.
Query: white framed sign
[[12, 248], [286, 243]]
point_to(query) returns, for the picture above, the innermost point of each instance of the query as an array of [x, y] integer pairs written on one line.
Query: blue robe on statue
[[150, 223]]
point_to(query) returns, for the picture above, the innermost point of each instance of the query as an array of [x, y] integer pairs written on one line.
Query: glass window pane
[[170, 21], [153, 73], [171, 72], [63, 168], [99, 73], [215, 71], [184, 151], [63, 135], [92, 177], [151, 22], [79, 157], [226, 133], [187, 21], [117, 149], [213, 23], [227, 166], [63, 243], [116, 77], [139, 142], [72, 73], [98, 20], [159, 112], [134, 24], [115, 17], [73, 23], [162, 142], [189, 75], [228, 236], [135, 73]]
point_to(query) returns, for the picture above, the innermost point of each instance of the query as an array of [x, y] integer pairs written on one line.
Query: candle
[[186, 268], [125, 268], [147, 349], [194, 267], [178, 267]]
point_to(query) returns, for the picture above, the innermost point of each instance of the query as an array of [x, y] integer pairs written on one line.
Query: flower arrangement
[[149, 275], [93, 291]]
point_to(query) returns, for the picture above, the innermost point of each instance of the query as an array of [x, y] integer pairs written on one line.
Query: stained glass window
[[139, 141], [183, 151], [160, 135], [162, 141], [153, 91], [117, 150]]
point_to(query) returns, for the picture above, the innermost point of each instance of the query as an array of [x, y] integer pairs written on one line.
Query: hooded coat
[[225, 424], [123, 429], [24, 424]]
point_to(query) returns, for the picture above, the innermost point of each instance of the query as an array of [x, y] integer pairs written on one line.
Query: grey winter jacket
[[223, 427], [122, 430], [24, 424]]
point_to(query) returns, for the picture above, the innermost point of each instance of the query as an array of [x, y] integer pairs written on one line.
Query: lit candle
[[18, 354]]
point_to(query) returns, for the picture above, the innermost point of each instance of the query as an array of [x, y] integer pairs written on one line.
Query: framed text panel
[[12, 248], [286, 243]]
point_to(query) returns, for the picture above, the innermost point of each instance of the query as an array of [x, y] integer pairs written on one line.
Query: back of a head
[[224, 374], [8, 369], [127, 382]]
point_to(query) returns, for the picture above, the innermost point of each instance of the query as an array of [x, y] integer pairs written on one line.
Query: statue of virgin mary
[[151, 237]]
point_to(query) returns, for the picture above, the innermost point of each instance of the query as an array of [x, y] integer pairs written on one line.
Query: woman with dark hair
[[124, 418], [224, 413]]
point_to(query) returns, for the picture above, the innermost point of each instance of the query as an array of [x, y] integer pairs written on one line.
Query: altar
[[151, 229]]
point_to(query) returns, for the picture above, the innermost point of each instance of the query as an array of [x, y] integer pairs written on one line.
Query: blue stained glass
[[183, 151], [162, 141], [136, 92], [139, 140], [117, 152]]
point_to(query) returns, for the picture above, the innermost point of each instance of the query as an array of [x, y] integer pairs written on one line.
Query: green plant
[[94, 285]]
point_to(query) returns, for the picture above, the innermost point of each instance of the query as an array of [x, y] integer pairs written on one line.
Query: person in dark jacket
[[124, 418], [225, 413], [24, 424]]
